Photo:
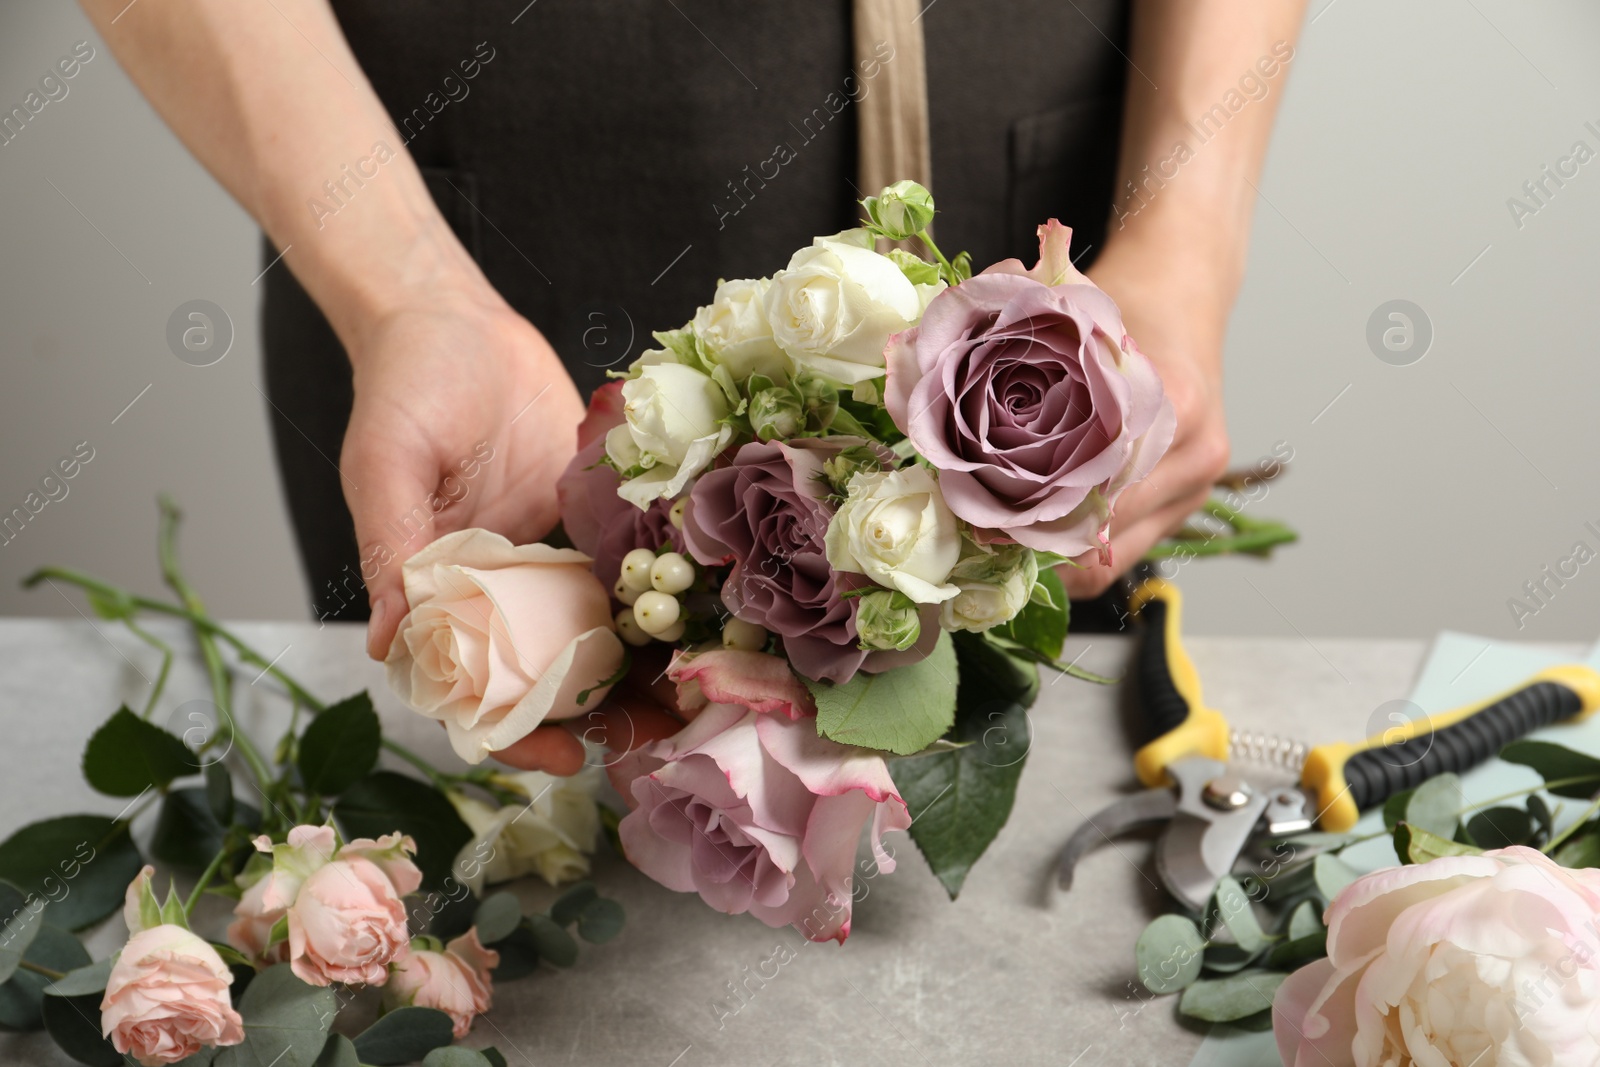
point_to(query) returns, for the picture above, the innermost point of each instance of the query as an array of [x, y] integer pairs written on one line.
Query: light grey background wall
[[1427, 494]]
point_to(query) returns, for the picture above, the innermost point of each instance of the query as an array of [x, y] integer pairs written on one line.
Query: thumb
[[389, 499]]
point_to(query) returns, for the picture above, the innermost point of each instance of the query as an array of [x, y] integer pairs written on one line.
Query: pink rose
[[501, 637], [753, 811], [455, 981], [251, 930], [1491, 958], [167, 997], [346, 922], [1023, 390]]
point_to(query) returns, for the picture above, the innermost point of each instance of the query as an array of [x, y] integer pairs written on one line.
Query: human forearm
[[271, 101], [1203, 88]]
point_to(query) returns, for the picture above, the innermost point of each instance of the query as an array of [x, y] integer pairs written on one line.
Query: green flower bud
[[819, 399], [917, 270], [776, 413], [887, 620], [841, 468], [902, 210]]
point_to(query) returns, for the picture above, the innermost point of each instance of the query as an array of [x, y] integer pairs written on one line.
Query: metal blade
[[1153, 805], [1201, 843]]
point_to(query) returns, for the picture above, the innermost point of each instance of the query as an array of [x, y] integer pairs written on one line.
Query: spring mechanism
[[1268, 749]]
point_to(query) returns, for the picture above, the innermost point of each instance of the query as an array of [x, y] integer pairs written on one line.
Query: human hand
[[1176, 313], [456, 383]]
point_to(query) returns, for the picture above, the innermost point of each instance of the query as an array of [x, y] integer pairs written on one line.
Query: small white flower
[[734, 330], [894, 527], [675, 429], [552, 834], [996, 583], [834, 308]]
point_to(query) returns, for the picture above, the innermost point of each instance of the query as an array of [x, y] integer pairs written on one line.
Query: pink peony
[[753, 811], [1023, 390], [455, 981], [346, 921], [167, 997], [1491, 958]]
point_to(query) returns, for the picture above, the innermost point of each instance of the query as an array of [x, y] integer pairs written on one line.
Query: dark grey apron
[[611, 159]]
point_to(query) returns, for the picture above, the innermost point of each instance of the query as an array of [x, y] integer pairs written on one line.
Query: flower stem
[[166, 662], [1572, 828], [53, 975], [205, 880]]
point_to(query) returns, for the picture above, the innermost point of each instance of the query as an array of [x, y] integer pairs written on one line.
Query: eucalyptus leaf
[[1416, 845], [128, 755], [1304, 921], [285, 1022], [1557, 763], [900, 711], [555, 945], [570, 904], [1332, 874], [340, 746], [82, 864], [1300, 950], [1435, 805], [15, 937], [1169, 954], [601, 921], [455, 1056], [404, 1035], [1394, 809], [340, 1051], [1238, 996], [519, 954], [22, 998], [74, 1024], [76, 983], [1580, 851], [494, 1057], [1233, 907], [497, 916]]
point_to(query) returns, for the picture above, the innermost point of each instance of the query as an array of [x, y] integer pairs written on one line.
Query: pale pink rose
[[346, 921], [501, 637], [753, 811], [1485, 959], [455, 981], [167, 998]]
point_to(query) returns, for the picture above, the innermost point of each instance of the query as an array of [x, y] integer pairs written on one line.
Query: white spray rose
[[674, 427], [551, 834], [834, 308], [996, 583], [734, 330], [895, 528]]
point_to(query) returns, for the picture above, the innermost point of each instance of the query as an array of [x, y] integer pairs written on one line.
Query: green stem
[[1256, 540], [205, 880], [945, 268], [166, 662], [435, 775], [1577, 824], [53, 975]]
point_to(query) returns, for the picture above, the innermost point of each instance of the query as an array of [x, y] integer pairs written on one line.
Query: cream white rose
[[996, 583], [894, 527], [734, 331], [674, 426], [552, 833], [834, 308], [500, 637]]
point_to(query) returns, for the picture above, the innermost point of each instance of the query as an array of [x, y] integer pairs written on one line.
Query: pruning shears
[[1213, 813]]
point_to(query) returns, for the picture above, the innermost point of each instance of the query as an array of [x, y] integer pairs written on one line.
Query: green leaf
[[1500, 827], [340, 746], [960, 800], [555, 945], [1332, 874], [81, 863], [1300, 950], [127, 755], [1557, 763], [1227, 958], [1169, 953], [22, 998], [83, 980], [601, 921], [1435, 805], [1413, 844], [519, 955], [1305, 921], [1236, 913], [74, 1023], [1543, 817], [285, 1022], [455, 1056], [1394, 809], [1223, 1000], [497, 916], [450, 913], [15, 937], [386, 802], [902, 711], [219, 792], [404, 1035], [187, 835], [494, 1057], [339, 1051], [1579, 851], [570, 904], [1041, 627]]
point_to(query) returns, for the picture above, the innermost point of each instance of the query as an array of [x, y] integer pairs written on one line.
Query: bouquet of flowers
[[838, 496]]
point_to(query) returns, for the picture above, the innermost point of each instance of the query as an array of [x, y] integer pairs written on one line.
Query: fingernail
[[380, 609]]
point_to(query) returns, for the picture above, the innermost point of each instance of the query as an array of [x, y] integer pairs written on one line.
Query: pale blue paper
[[1459, 669]]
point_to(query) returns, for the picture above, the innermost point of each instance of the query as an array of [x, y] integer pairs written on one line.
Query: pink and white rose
[[500, 638], [1491, 958], [752, 809], [455, 981]]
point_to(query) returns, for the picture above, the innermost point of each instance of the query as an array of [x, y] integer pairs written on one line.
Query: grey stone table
[[1012, 972]]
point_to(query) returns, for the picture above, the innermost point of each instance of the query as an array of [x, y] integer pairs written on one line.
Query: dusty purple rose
[[597, 520], [1022, 389], [766, 512]]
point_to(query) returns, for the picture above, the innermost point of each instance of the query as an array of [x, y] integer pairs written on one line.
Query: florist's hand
[[1177, 318], [456, 384]]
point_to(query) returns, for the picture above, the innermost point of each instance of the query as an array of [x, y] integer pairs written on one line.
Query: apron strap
[[893, 118]]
